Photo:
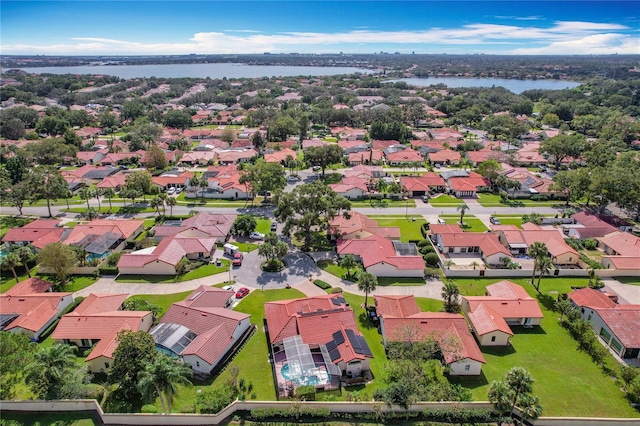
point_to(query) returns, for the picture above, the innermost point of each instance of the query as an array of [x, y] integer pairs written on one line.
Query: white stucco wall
[[384, 269], [502, 339], [153, 268], [465, 367]]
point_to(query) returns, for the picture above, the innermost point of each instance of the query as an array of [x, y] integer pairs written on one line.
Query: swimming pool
[[317, 376]]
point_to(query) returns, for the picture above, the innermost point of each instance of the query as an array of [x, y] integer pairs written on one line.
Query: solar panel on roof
[[405, 249], [198, 293], [334, 354], [364, 348], [335, 301], [338, 337], [355, 343], [6, 319], [342, 300], [331, 345]]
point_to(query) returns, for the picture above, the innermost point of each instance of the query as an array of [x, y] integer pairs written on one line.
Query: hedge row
[[322, 284]]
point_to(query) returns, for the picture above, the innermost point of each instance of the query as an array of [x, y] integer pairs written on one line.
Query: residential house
[[383, 257], [280, 156], [173, 180], [587, 226], [358, 226], [199, 157], [530, 184], [29, 307], [115, 158], [401, 320], [315, 341], [518, 241], [200, 331], [417, 186], [404, 158], [204, 225], [622, 251], [446, 157], [479, 157], [366, 172], [353, 187], [100, 237], [618, 326], [465, 184], [96, 322], [38, 233], [505, 305], [234, 156], [452, 240], [223, 182], [353, 146], [115, 182], [91, 157]]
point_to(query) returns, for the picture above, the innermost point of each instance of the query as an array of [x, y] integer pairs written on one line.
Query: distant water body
[[515, 86], [217, 70]]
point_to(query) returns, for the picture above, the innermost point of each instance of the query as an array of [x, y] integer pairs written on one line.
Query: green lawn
[[200, 272], [74, 283], [395, 281], [245, 247], [510, 220], [77, 282], [384, 203], [409, 229], [8, 222], [163, 301], [471, 223], [443, 200], [263, 225], [332, 268], [565, 379], [493, 200], [429, 305], [49, 419], [629, 280], [252, 359]]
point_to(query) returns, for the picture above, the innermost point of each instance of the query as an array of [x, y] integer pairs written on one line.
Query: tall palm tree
[[161, 378], [462, 208], [97, 193], [451, 296], [530, 406], [46, 374], [348, 262], [85, 194], [520, 382], [500, 395], [171, 201], [537, 251], [11, 261], [26, 255], [194, 182], [203, 183], [474, 264], [367, 283], [544, 267], [155, 203], [109, 193]]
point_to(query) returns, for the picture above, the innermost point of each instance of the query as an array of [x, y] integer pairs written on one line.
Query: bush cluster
[[295, 412], [322, 284]]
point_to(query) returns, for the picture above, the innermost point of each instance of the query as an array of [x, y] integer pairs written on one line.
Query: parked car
[[228, 287], [293, 178], [256, 235], [171, 190], [442, 222], [242, 292], [179, 190], [316, 168], [425, 198], [274, 226], [494, 220], [237, 259]]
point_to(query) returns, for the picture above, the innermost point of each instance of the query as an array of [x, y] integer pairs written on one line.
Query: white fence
[[519, 273], [214, 419]]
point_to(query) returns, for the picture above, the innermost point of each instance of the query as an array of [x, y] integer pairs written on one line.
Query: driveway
[[627, 293], [299, 267]]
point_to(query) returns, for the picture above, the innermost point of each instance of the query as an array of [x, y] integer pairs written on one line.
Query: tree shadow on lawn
[[498, 350], [469, 382], [519, 329], [547, 301]]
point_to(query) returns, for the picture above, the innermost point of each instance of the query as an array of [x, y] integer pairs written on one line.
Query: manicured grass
[[263, 225], [200, 272], [629, 280], [163, 301], [395, 281], [50, 419], [510, 220], [409, 229], [8, 222], [429, 305], [471, 223], [74, 282], [77, 282], [445, 201], [245, 247], [330, 139], [384, 203], [253, 358], [565, 378], [332, 268], [148, 223], [493, 200]]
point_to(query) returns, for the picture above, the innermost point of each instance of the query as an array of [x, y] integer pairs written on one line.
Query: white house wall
[[383, 269], [465, 367], [501, 339], [152, 268]]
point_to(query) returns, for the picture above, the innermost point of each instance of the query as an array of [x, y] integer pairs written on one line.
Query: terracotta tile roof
[[359, 222], [596, 227], [472, 182], [591, 298], [363, 171], [280, 156], [449, 330], [115, 181], [507, 290], [34, 309], [405, 156], [202, 319], [212, 297], [485, 320], [97, 325], [444, 155], [170, 251], [623, 243], [624, 322], [624, 262], [29, 286], [376, 249], [210, 345], [108, 344], [445, 133], [126, 228], [422, 183], [396, 306], [212, 224], [99, 303], [39, 233], [481, 156], [487, 242], [444, 228]]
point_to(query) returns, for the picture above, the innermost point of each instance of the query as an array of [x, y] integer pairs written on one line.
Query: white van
[[442, 222], [230, 249]]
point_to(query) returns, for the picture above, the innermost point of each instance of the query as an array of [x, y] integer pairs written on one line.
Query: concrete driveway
[[299, 267]]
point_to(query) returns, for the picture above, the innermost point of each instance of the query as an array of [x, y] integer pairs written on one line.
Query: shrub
[[432, 259], [539, 198], [322, 284], [335, 290], [295, 412], [149, 409], [427, 249], [113, 258], [423, 243], [431, 272], [590, 244], [306, 393], [108, 270], [574, 243], [592, 263]]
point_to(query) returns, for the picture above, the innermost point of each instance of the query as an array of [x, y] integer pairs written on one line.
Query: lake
[[515, 86], [217, 70]]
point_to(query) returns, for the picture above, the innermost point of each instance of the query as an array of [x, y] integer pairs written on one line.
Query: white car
[[228, 288], [256, 236], [171, 190]]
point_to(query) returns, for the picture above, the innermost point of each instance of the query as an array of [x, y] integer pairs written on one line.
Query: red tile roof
[[280, 156], [624, 322], [422, 183], [623, 243], [203, 319], [376, 249], [99, 303], [591, 298], [213, 224], [396, 306], [624, 262], [445, 155], [488, 243], [405, 156], [485, 320], [29, 286], [211, 297], [39, 233], [359, 222]]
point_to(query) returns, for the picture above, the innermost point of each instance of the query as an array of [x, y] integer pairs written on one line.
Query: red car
[[237, 259], [242, 292]]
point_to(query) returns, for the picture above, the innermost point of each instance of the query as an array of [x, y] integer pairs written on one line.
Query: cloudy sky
[[87, 27]]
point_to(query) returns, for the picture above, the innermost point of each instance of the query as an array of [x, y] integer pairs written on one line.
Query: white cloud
[[564, 37]]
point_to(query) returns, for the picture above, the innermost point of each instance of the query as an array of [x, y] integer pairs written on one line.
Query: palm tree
[[500, 395], [26, 255], [537, 251], [520, 382], [163, 198], [195, 183], [109, 192], [465, 163], [367, 283], [171, 202], [449, 263], [203, 183], [97, 193], [46, 374], [348, 262], [474, 264], [530, 406], [462, 208], [85, 194], [155, 202], [161, 378], [544, 267], [11, 261], [451, 296]]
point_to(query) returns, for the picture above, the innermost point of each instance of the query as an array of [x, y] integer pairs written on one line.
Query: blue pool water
[[303, 381]]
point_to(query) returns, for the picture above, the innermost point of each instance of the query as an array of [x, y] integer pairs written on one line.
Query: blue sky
[[86, 27]]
